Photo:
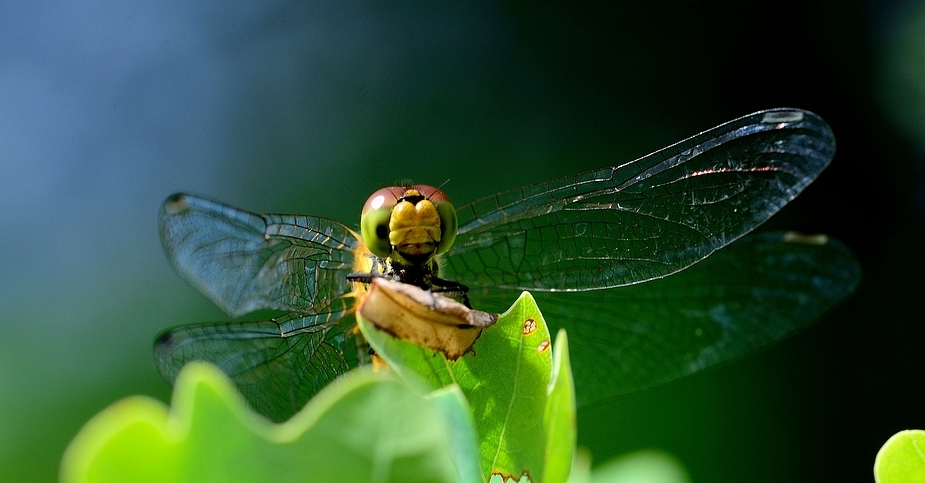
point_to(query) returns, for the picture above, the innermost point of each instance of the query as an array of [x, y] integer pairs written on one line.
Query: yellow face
[[414, 229], [408, 225]]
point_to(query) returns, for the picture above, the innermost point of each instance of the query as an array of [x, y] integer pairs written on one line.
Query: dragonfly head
[[408, 224]]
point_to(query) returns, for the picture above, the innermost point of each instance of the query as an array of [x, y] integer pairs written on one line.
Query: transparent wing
[[644, 219], [753, 292], [245, 262], [278, 364]]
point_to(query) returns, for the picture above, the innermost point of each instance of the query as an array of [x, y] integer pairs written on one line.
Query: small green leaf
[[560, 414], [647, 466], [452, 405], [505, 380], [902, 458], [364, 427], [581, 466]]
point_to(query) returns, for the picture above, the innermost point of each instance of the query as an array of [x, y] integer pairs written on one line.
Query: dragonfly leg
[[366, 278], [433, 300], [440, 285], [378, 269], [364, 351]]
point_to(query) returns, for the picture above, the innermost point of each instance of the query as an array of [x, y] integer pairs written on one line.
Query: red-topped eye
[[435, 195], [384, 198], [389, 196]]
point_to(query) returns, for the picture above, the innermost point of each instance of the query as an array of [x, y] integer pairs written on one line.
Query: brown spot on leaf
[[529, 326]]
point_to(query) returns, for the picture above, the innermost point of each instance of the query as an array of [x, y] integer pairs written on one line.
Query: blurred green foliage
[[364, 427], [901, 72], [645, 466], [210, 435], [901, 459]]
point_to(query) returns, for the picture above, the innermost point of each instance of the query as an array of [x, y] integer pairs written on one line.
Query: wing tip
[[782, 115], [163, 345], [807, 239], [176, 203], [163, 342]]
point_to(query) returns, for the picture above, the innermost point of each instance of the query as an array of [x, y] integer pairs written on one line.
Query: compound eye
[[448, 225], [374, 222]]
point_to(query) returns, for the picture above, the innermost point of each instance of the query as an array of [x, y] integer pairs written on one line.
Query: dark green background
[[108, 107]]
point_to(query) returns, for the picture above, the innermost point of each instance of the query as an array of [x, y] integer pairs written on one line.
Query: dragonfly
[[626, 258]]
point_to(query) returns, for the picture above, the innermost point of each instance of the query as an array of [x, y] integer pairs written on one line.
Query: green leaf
[[648, 466], [581, 466], [560, 414], [902, 458], [365, 427], [451, 404], [505, 379]]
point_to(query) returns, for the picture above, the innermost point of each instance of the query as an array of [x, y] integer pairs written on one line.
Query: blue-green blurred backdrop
[[107, 107]]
